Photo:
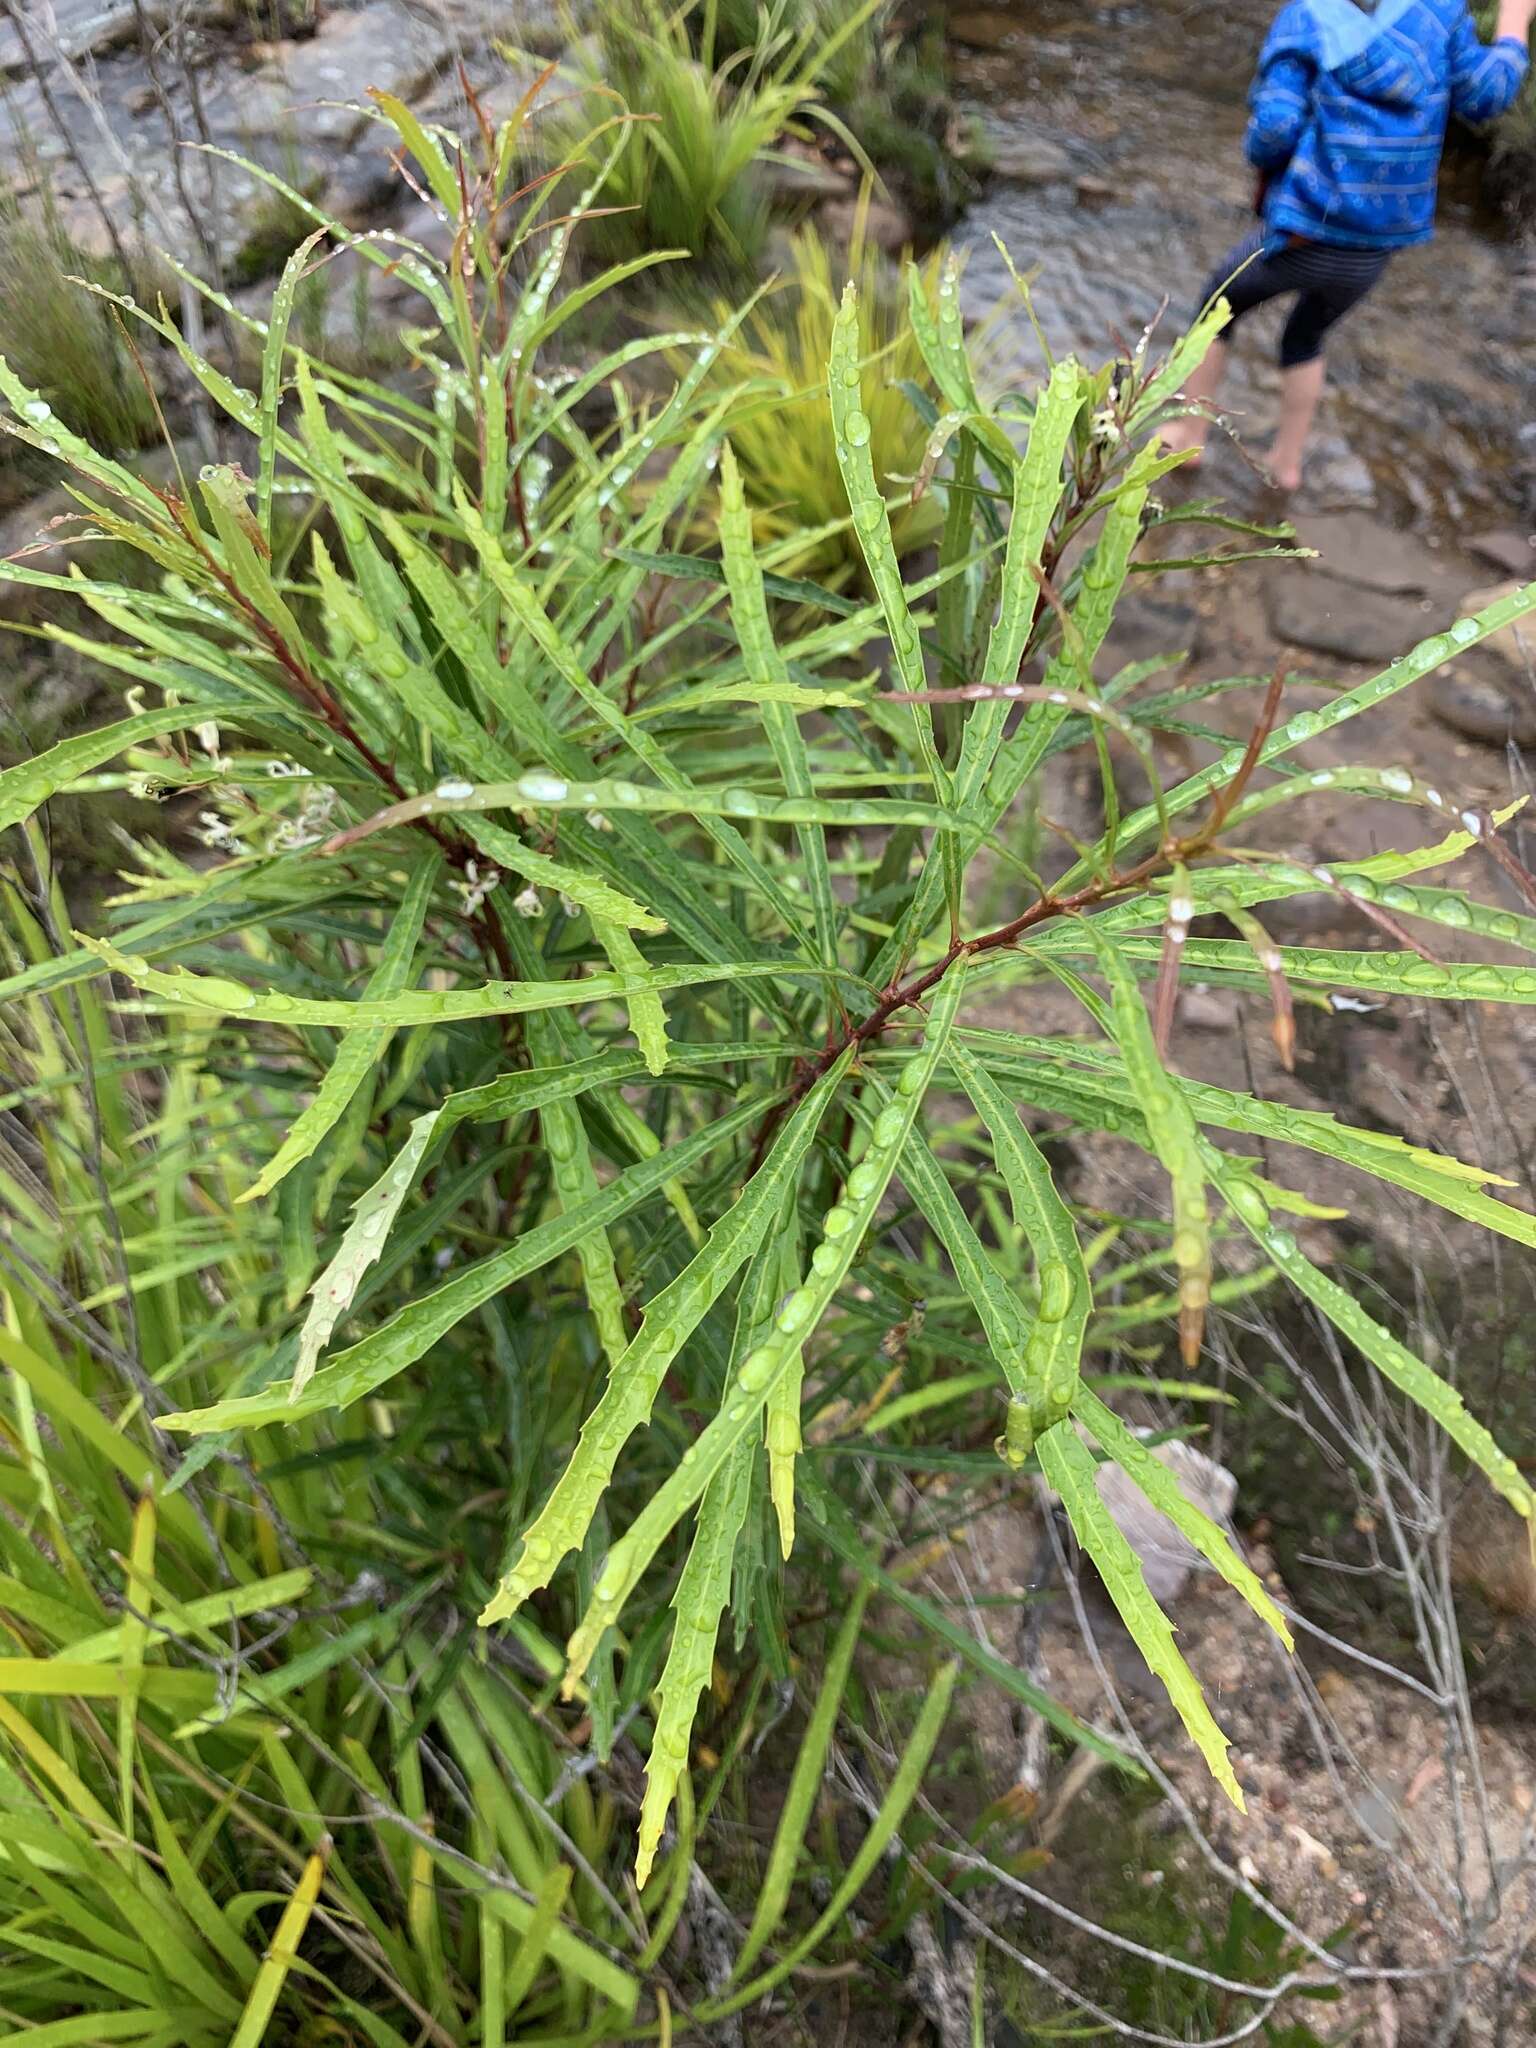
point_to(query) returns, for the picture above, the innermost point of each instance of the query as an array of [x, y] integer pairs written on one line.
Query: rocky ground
[[108, 101]]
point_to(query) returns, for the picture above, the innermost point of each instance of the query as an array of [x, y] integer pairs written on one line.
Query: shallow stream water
[[1432, 379]]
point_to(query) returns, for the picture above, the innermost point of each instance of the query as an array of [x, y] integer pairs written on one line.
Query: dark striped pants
[[1328, 278]]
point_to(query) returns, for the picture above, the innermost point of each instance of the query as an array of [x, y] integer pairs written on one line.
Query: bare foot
[[1284, 475], [1186, 437]]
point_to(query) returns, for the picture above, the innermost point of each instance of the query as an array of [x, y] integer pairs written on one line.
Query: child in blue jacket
[[1349, 111]]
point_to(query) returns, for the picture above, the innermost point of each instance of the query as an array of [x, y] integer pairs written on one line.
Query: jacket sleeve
[[1280, 101], [1484, 77]]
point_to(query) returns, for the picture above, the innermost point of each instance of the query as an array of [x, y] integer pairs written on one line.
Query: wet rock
[[88, 224], [1210, 1009], [1360, 549], [83, 28], [305, 96], [1150, 622], [885, 225], [801, 177], [1308, 607], [1093, 191], [1027, 159], [362, 191], [1483, 708], [1514, 646], [985, 28], [1336, 476], [1505, 549]]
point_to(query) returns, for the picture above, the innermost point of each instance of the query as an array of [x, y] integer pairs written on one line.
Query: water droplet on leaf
[[1055, 1290], [544, 789]]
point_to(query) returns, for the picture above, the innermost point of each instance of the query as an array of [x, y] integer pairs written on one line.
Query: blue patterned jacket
[[1349, 110]]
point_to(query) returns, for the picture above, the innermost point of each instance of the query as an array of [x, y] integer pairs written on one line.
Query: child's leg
[[1301, 386], [1333, 280], [1202, 387], [1242, 278]]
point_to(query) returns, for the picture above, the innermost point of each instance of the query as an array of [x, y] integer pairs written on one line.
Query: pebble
[[1483, 709]]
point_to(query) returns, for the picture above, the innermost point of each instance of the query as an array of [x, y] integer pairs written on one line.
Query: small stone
[[1480, 708], [1093, 191], [1210, 1009], [797, 177], [1506, 550], [1309, 607], [886, 226], [1361, 549], [1027, 159]]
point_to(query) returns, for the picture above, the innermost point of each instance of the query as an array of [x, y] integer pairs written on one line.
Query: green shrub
[[785, 444], [575, 1064], [64, 344], [1510, 141], [685, 173]]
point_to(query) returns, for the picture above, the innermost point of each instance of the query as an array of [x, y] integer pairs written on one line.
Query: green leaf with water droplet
[[1050, 1073], [705, 1461], [1157, 1481], [36, 423], [186, 990], [359, 1051], [412, 1331], [700, 1600], [1068, 1466], [697, 1605], [1174, 1134], [1183, 359], [1388, 974], [537, 791], [360, 1246], [872, 522], [31, 783], [1065, 1299], [947, 363], [670, 1319], [784, 1442], [843, 1230], [768, 675], [1391, 1358], [782, 1436], [279, 317], [647, 1016]]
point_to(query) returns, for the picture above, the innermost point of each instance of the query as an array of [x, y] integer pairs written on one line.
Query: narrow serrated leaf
[[1068, 1466], [700, 1600]]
